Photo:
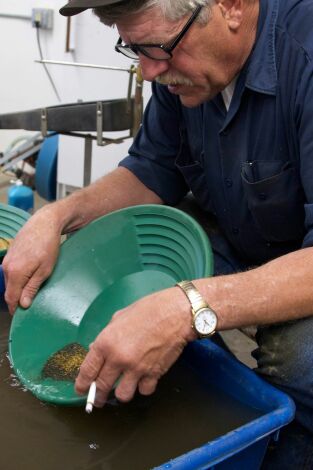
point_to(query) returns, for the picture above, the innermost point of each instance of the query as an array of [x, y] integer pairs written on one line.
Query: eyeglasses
[[155, 51]]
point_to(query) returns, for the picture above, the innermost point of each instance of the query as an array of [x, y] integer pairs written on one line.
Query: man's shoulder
[[295, 21]]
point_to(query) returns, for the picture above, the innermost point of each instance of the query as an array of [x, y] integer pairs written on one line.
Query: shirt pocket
[[275, 199], [194, 175]]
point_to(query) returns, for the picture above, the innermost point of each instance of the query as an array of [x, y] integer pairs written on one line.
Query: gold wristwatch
[[204, 319]]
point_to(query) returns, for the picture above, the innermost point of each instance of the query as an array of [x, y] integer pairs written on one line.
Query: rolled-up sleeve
[[155, 149]]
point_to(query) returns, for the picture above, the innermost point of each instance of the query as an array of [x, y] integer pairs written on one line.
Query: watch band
[[204, 319], [194, 297]]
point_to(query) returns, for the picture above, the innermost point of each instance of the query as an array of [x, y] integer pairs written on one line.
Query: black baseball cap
[[77, 6]]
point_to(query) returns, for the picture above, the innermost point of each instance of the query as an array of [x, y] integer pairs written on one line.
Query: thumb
[[29, 291]]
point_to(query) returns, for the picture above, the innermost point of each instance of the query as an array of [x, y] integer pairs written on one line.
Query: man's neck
[[251, 11]]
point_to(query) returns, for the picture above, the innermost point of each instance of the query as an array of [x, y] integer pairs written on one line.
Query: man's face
[[203, 63]]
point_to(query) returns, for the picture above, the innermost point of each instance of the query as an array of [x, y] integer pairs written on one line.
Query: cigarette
[[91, 397]]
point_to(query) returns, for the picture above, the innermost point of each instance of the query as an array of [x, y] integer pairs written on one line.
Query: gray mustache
[[167, 79]]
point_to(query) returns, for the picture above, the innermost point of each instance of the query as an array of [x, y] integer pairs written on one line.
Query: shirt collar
[[261, 71]]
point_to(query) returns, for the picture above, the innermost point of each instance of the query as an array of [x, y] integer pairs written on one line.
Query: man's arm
[[143, 340], [34, 252], [278, 291], [121, 188]]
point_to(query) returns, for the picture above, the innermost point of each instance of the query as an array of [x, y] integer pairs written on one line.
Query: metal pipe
[[68, 34], [138, 103], [16, 17], [25, 155], [91, 66]]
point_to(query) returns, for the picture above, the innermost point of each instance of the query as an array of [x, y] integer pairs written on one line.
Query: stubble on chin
[[190, 101], [196, 97]]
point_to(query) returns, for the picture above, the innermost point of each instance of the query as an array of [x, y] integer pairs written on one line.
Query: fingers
[[14, 287], [107, 375], [137, 347], [31, 288], [147, 385], [127, 386], [105, 382], [129, 382], [93, 368], [21, 288], [89, 370], [31, 257]]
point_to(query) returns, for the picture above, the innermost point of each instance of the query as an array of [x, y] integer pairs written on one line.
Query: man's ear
[[232, 12]]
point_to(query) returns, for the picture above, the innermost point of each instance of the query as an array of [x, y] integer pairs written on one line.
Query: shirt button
[[262, 196], [268, 244], [235, 230], [228, 182]]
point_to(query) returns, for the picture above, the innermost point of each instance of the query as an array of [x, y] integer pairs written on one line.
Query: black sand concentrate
[[65, 363]]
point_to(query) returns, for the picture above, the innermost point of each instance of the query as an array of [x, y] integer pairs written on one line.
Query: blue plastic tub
[[245, 446]]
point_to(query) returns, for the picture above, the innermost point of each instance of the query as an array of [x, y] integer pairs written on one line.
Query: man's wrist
[[51, 215], [185, 312], [204, 318]]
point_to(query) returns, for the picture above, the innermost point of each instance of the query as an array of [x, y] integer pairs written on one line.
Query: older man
[[230, 119]]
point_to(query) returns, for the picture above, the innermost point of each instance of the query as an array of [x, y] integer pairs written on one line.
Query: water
[[181, 415]]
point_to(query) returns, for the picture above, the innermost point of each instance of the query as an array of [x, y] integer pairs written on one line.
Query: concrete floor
[[237, 342], [241, 346]]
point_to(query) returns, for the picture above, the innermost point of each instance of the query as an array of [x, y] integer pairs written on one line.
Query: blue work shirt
[[252, 167]]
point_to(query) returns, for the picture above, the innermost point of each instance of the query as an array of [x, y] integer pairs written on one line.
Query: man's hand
[[30, 259], [138, 346]]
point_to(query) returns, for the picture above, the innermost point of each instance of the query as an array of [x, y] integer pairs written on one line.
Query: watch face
[[205, 322]]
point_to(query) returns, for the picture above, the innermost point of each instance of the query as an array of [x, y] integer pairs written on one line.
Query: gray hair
[[172, 10]]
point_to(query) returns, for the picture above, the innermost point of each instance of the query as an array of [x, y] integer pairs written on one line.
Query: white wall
[[24, 84]]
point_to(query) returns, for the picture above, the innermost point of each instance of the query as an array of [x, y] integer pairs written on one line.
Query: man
[[230, 120]]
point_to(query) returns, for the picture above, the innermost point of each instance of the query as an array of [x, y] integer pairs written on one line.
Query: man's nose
[[152, 68]]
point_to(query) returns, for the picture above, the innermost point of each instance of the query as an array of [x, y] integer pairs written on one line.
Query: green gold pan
[[105, 266]]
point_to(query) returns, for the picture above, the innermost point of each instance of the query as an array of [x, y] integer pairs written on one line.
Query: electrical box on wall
[[42, 18]]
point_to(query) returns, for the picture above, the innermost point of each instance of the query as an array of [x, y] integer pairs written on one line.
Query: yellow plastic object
[[104, 267], [11, 220]]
